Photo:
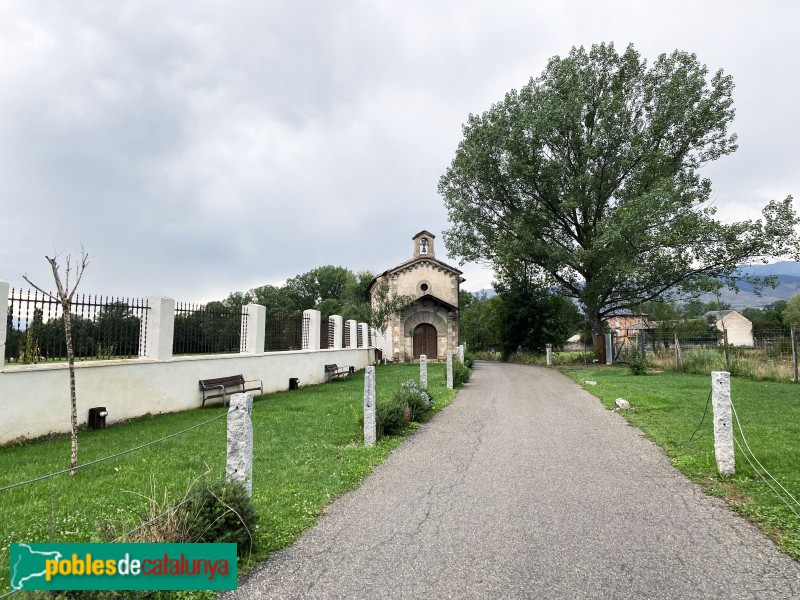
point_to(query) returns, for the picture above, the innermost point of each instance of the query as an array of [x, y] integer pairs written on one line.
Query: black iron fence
[[208, 329], [283, 332], [325, 333], [103, 327], [346, 334]]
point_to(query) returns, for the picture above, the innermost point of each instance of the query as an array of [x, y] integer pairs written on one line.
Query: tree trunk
[[73, 460], [598, 342]]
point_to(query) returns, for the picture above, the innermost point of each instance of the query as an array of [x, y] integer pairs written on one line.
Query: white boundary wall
[[34, 399]]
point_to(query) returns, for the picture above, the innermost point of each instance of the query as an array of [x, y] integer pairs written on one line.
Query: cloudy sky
[[196, 148]]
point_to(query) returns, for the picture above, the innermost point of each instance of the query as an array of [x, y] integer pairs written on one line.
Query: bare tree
[[65, 294]]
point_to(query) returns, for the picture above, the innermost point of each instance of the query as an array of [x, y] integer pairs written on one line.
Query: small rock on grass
[[622, 403], [590, 382]]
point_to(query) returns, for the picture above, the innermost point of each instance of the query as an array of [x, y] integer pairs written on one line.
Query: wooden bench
[[225, 386], [333, 370]]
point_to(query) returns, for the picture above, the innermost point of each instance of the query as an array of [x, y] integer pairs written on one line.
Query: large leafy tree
[[589, 175]]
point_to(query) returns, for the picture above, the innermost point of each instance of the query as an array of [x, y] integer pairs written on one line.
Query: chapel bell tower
[[423, 244]]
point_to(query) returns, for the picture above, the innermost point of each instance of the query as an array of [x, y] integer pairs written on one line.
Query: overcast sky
[[196, 148]]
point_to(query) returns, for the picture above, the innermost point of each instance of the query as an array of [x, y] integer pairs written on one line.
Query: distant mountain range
[[787, 272]]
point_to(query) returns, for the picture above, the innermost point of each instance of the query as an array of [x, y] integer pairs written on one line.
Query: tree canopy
[[589, 176]]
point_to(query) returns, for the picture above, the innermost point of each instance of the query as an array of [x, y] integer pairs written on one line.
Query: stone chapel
[[430, 325]]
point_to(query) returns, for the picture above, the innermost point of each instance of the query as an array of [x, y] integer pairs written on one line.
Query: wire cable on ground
[[99, 460], [756, 469], [699, 425]]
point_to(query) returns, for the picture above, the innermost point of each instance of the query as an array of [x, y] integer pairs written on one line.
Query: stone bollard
[[240, 440], [549, 355], [460, 351], [449, 369], [423, 371], [370, 432], [723, 424]]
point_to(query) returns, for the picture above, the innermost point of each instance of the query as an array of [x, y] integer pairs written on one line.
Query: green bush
[[469, 360], [222, 512], [636, 363], [419, 401], [391, 416], [461, 374]]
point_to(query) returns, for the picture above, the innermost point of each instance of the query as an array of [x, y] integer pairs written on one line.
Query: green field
[[307, 451], [669, 408]]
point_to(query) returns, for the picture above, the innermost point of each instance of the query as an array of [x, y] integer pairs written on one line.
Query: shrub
[[222, 512], [469, 360], [419, 401], [391, 416], [461, 374], [636, 363]]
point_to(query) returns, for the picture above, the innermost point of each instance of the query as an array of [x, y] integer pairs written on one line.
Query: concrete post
[[449, 369], [460, 351], [549, 348], [253, 326], [370, 426], [353, 341], [158, 334], [723, 423], [423, 371], [3, 319], [312, 321], [609, 349], [240, 440], [363, 328], [338, 325]]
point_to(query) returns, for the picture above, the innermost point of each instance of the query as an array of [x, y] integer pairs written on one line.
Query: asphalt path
[[526, 487]]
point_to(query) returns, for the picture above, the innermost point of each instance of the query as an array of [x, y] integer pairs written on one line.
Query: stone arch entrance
[[425, 341]]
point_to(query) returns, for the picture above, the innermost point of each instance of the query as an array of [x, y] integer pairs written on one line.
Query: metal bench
[[221, 387], [333, 370]]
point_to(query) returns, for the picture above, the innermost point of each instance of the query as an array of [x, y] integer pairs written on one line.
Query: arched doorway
[[425, 341]]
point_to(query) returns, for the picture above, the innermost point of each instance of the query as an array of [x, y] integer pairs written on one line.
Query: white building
[[739, 327]]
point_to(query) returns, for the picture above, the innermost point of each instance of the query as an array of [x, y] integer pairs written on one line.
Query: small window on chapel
[[423, 246]]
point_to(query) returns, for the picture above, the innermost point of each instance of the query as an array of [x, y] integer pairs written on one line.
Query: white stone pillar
[[723, 423], [370, 425], [3, 319], [449, 369], [312, 321], [253, 329], [352, 342], [240, 440], [338, 325], [160, 329], [609, 348], [549, 355], [423, 371], [363, 328], [460, 351]]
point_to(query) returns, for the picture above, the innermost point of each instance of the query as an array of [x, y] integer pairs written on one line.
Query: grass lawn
[[307, 451], [668, 407]]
